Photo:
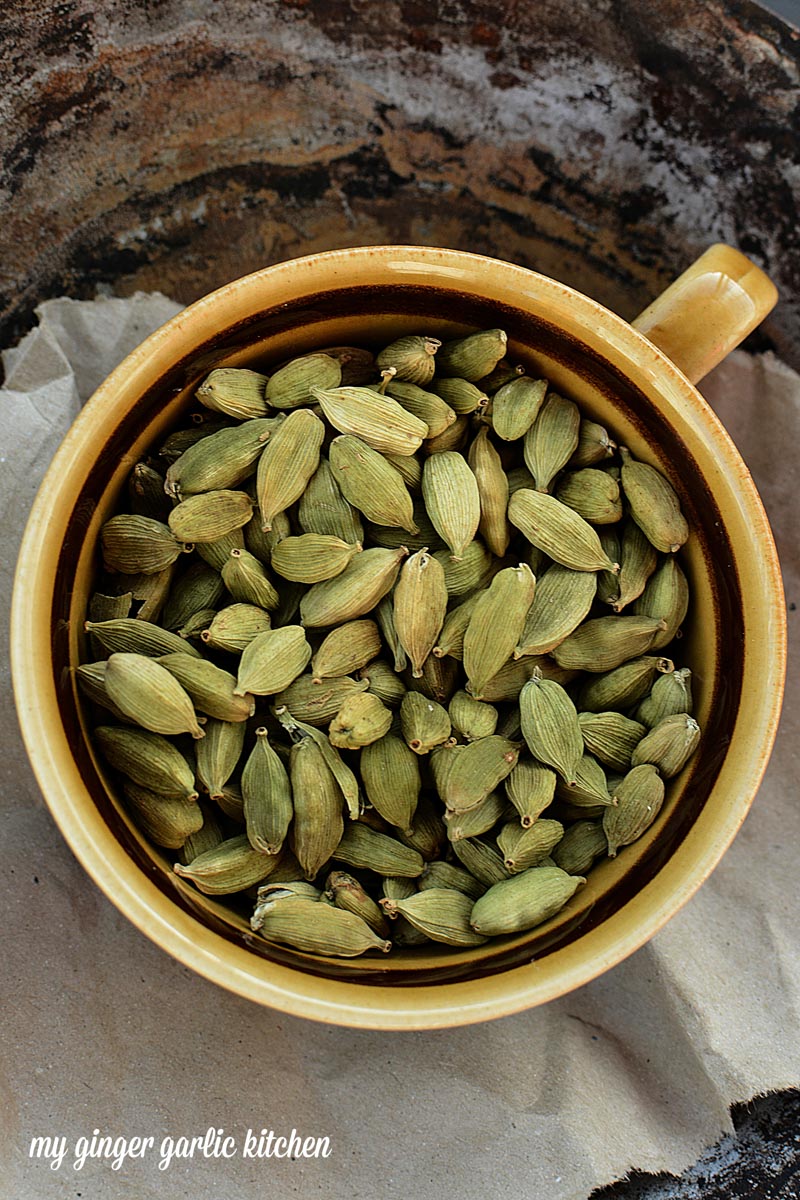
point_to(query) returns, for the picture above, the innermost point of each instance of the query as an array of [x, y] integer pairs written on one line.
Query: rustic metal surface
[[176, 145]]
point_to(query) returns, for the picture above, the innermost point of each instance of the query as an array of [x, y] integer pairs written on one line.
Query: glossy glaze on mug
[[591, 370]]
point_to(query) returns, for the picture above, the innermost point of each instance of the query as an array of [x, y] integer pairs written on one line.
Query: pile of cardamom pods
[[378, 647]]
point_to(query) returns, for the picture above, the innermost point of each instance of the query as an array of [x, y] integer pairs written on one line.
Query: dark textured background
[[177, 144]]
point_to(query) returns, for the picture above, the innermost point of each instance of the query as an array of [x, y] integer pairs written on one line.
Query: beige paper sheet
[[103, 1031]]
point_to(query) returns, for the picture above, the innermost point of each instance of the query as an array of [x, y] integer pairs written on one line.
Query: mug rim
[[184, 937]]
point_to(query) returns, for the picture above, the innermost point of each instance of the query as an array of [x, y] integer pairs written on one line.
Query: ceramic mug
[[635, 379]]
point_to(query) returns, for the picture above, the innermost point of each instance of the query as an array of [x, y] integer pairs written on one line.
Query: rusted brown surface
[[177, 145]]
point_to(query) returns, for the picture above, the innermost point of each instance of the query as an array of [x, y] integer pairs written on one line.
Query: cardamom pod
[[524, 901]]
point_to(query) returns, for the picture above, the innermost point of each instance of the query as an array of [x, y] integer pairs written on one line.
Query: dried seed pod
[[362, 585], [371, 484], [200, 587], [524, 901], [378, 420], [312, 557], [148, 759], [338, 769], [473, 571], [669, 745], [450, 642], [442, 914], [218, 754], [482, 861], [316, 928], [411, 358], [666, 596], [138, 545], [496, 625], [472, 357], [362, 719], [492, 483], [638, 560], [562, 600], [654, 506], [594, 445], [461, 396], [216, 554], [551, 440], [669, 695], [593, 494], [323, 509], [290, 386], [516, 405], [91, 679], [287, 463], [588, 788], [232, 866], [220, 460], [476, 771], [446, 875], [523, 848], [611, 737], [453, 438], [383, 682], [426, 406], [247, 580], [267, 796], [318, 702], [234, 391], [210, 687], [272, 661], [234, 627], [607, 642], [318, 824], [472, 718], [130, 635], [638, 798], [390, 772], [450, 492], [345, 649], [166, 820], [210, 516], [550, 726], [476, 820], [206, 838], [558, 531], [531, 788], [424, 722], [348, 894], [363, 847], [420, 604], [621, 688], [581, 844]]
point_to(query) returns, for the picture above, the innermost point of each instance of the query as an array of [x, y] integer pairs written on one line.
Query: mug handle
[[708, 310]]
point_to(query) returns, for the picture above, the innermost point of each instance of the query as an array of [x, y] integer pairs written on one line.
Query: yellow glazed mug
[[637, 380]]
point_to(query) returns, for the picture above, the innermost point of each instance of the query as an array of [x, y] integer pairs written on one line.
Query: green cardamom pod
[[267, 796], [371, 484], [288, 461], [318, 822], [654, 506], [312, 557], [638, 802], [234, 391], [524, 901], [496, 625], [272, 661], [290, 386], [558, 530], [420, 604], [669, 745], [550, 726]]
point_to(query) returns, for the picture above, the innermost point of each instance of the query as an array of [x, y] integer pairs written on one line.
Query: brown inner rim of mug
[[535, 335]]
